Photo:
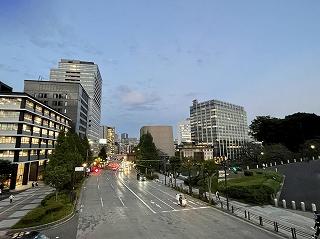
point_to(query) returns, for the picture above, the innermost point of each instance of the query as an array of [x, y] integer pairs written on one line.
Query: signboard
[[78, 169]]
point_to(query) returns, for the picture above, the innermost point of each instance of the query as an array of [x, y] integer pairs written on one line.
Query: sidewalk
[[290, 218], [11, 213]]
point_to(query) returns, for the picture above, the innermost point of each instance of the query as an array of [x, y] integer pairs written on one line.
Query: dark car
[[29, 235]]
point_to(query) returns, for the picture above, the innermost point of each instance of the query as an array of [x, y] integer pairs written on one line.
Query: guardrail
[[264, 222]]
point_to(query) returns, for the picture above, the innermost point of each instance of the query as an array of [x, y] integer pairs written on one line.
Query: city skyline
[[263, 56]]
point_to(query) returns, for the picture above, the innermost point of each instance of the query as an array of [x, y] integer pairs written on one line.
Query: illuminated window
[[28, 117], [6, 154], [8, 126], [35, 141], [23, 153], [9, 114], [25, 140], [36, 130], [29, 104], [38, 108], [7, 140], [37, 120]]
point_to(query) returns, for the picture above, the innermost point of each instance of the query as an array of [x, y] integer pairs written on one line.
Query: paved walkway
[[11, 213], [290, 218]]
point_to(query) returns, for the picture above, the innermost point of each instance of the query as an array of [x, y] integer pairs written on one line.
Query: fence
[[265, 222]]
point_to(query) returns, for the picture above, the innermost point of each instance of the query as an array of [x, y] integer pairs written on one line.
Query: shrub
[[248, 173], [54, 206], [34, 215]]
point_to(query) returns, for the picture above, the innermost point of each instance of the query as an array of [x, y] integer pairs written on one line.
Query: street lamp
[[312, 146], [225, 181]]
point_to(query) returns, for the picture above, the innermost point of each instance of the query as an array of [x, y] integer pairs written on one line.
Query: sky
[[156, 56]]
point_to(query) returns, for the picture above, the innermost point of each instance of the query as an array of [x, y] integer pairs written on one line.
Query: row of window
[[10, 153]]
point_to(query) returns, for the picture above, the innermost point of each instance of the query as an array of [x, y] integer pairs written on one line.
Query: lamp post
[[312, 149], [225, 181]]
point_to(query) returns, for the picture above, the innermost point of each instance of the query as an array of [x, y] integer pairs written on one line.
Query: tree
[[5, 170], [147, 155], [292, 131], [103, 153], [210, 170], [188, 164], [250, 153], [310, 149], [175, 164], [57, 177], [275, 153]]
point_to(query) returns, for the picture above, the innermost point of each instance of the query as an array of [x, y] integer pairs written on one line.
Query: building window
[[65, 111], [35, 141], [10, 102], [8, 127], [29, 104], [37, 120], [28, 117], [26, 128], [6, 154], [9, 114], [23, 153], [65, 103], [7, 140], [36, 130], [25, 140]]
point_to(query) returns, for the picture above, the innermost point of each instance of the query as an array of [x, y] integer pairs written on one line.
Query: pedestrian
[[217, 195], [0, 193], [36, 184], [11, 198], [33, 184]]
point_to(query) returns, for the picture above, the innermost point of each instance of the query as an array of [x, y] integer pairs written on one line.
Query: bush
[[34, 216], [53, 207], [248, 173]]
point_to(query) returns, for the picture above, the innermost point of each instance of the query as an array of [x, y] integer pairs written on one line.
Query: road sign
[[79, 169]]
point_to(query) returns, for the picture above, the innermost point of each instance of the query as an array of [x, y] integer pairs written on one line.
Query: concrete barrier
[[294, 160], [312, 157], [303, 206], [301, 160], [275, 163], [276, 169], [270, 164], [276, 202], [293, 203], [284, 203], [248, 168], [314, 207], [257, 166], [281, 162], [288, 161]]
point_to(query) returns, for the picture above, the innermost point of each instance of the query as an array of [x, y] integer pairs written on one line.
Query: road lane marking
[[98, 186], [101, 202], [121, 201], [159, 199], [138, 197], [97, 179], [152, 202], [158, 206], [112, 186], [185, 209]]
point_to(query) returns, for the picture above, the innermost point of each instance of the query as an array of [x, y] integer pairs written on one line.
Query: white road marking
[[121, 201], [159, 199], [112, 186], [158, 206], [98, 186], [138, 197], [101, 202], [185, 209], [97, 179], [152, 202]]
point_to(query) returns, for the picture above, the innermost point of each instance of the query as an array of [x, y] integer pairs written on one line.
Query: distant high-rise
[[68, 98], [124, 136], [108, 133], [184, 131], [220, 124], [162, 138], [88, 74]]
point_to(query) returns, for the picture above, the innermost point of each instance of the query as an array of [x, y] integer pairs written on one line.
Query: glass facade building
[[68, 98], [221, 125], [88, 74], [108, 134], [28, 132], [184, 131]]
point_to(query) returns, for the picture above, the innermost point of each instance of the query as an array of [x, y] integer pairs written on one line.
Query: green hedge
[[257, 189]]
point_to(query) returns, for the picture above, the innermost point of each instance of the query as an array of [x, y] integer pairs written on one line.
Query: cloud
[[135, 100]]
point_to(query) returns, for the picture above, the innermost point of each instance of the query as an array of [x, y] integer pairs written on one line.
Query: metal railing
[[265, 222]]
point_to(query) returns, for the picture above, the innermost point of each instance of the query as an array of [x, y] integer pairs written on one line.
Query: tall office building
[[108, 136], [162, 138], [68, 98], [220, 124], [88, 74], [28, 133], [184, 131]]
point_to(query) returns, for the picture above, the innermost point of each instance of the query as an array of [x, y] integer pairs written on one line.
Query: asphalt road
[[302, 183], [115, 205]]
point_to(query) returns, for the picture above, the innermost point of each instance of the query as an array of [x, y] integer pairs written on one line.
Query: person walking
[[36, 184], [217, 195], [33, 184], [0, 193], [11, 198]]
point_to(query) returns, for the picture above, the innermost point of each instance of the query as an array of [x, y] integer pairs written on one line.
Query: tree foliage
[[70, 151], [147, 155], [250, 153], [210, 170], [103, 153], [275, 153], [292, 131], [175, 165]]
